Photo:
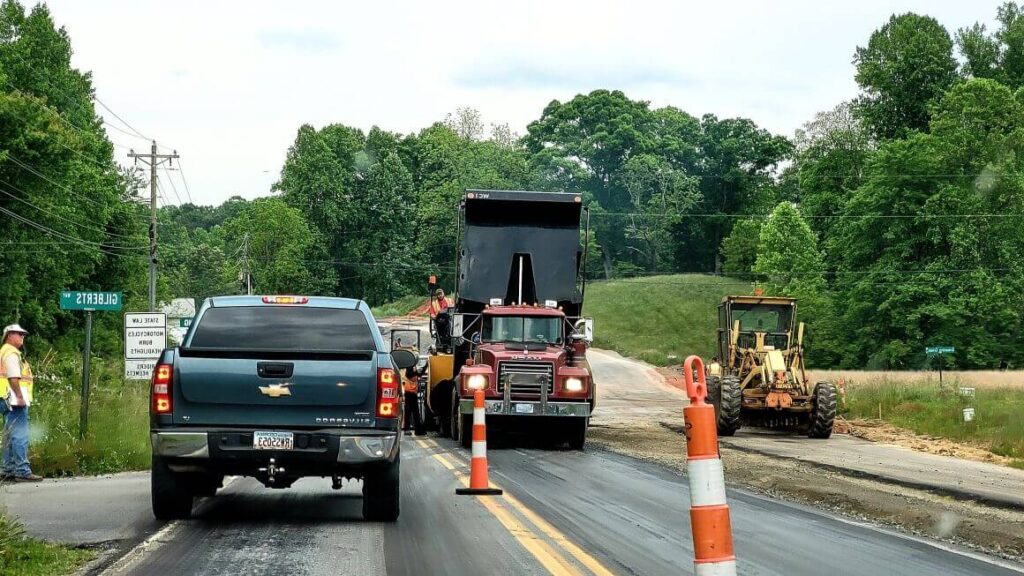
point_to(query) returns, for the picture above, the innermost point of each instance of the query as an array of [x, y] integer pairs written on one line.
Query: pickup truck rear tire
[[381, 501], [171, 494]]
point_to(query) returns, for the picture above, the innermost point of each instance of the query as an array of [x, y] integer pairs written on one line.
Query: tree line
[[892, 217]]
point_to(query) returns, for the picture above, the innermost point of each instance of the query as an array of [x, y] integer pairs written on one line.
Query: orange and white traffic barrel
[[709, 512], [479, 483]]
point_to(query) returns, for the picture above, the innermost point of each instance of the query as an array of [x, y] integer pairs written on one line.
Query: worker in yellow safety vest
[[15, 399], [714, 368]]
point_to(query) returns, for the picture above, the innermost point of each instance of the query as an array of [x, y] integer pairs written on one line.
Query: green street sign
[[78, 300], [939, 350], [184, 322]]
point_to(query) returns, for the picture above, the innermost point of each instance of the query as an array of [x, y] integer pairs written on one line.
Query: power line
[[39, 174], [132, 128], [58, 216], [188, 192], [173, 187], [95, 245]]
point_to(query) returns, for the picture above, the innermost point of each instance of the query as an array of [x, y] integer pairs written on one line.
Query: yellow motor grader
[[763, 381]]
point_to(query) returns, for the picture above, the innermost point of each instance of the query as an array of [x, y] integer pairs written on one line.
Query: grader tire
[[714, 392], [729, 404], [824, 414]]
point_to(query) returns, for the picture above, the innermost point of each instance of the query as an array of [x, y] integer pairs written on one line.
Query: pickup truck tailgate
[[277, 366], [218, 391]]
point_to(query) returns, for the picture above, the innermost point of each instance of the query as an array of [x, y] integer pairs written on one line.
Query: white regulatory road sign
[[145, 336], [139, 369]]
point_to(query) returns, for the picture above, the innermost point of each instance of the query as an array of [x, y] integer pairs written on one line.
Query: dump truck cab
[[530, 363], [764, 382]]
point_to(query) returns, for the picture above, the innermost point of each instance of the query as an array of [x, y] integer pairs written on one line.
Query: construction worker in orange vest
[[439, 319]]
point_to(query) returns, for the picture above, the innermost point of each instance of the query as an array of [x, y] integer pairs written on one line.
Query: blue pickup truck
[[277, 388]]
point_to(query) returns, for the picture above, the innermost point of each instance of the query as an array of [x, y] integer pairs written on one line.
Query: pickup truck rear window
[[286, 328]]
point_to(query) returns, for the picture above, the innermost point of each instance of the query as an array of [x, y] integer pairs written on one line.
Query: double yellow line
[[552, 552]]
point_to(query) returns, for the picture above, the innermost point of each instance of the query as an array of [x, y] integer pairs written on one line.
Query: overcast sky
[[228, 83]]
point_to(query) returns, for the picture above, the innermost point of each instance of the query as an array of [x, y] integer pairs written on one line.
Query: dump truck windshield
[[762, 318], [546, 329]]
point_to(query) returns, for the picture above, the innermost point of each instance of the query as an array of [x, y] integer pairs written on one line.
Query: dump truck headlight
[[573, 385], [476, 382]]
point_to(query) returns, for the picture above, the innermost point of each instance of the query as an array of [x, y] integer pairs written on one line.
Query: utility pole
[[154, 160], [245, 265]]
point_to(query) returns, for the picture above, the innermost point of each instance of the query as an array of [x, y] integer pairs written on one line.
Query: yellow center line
[[551, 560], [583, 557]]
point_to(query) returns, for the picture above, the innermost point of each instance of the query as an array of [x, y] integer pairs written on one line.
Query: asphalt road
[[563, 513]]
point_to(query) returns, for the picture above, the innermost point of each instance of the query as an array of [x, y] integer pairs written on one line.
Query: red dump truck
[[516, 328]]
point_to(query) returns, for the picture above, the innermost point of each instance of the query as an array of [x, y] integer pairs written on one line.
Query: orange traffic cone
[[709, 512], [479, 485]]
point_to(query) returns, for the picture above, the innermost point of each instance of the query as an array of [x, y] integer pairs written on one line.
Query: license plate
[[273, 440], [524, 408]]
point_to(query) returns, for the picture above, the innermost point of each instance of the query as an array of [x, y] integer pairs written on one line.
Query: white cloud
[[227, 83]]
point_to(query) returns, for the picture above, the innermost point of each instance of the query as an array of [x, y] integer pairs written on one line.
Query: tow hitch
[[272, 470]]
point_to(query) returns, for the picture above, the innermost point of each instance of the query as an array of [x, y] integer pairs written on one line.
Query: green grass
[[399, 307], [924, 409], [118, 434], [29, 557], [657, 317]]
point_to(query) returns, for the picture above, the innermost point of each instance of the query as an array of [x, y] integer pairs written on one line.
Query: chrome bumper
[[352, 448], [180, 444], [527, 408]]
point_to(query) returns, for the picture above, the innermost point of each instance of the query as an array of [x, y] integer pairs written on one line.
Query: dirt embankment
[[919, 512]]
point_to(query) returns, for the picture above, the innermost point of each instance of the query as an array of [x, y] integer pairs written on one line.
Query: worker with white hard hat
[[15, 399]]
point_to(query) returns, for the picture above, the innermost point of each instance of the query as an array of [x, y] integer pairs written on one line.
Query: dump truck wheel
[[578, 434], [466, 432], [455, 414], [730, 401], [824, 413]]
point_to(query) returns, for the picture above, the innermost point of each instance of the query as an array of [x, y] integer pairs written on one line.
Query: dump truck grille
[[526, 378]]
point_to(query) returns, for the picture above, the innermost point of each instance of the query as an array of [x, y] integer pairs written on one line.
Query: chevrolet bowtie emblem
[[276, 390]]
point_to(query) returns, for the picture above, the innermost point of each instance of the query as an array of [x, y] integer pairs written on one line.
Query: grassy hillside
[[656, 317], [399, 307]]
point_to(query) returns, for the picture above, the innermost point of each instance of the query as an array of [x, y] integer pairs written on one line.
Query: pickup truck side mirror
[[404, 358]]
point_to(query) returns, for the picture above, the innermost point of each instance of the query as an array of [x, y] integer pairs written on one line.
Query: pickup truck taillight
[[162, 381], [387, 393]]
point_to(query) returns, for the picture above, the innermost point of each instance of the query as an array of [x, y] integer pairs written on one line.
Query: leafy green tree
[[659, 196], [788, 255], [906, 66], [739, 249], [737, 176], [831, 155], [282, 249], [915, 267], [998, 56], [388, 264], [68, 215]]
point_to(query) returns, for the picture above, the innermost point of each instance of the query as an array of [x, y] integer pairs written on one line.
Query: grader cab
[[763, 381]]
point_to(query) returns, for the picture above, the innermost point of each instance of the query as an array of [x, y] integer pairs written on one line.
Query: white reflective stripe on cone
[[479, 449], [478, 415], [707, 482], [725, 568]]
